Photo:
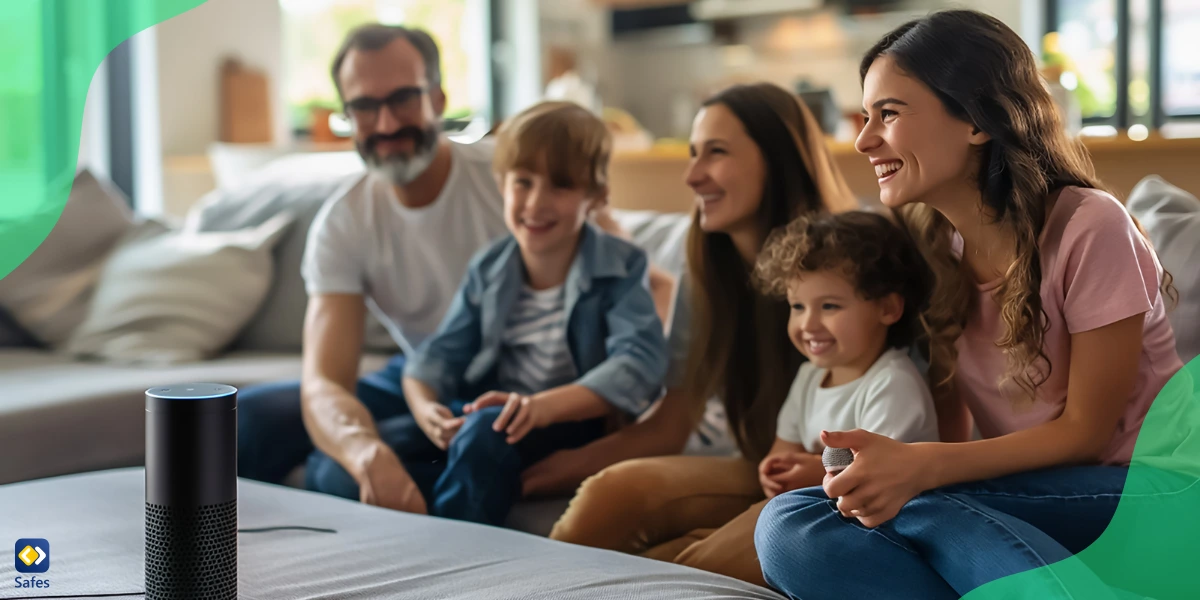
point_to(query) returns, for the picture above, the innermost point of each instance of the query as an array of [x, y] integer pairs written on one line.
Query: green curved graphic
[[1151, 548], [49, 51]]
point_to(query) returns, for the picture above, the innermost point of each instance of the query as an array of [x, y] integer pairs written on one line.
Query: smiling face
[[544, 218], [921, 153], [835, 327], [726, 171], [395, 113]]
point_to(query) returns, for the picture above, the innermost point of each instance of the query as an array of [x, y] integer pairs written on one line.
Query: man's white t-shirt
[[407, 263], [891, 399]]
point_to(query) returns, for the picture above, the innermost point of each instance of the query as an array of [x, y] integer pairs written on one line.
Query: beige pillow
[[168, 296], [47, 295]]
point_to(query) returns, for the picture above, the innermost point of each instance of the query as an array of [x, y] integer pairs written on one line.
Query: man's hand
[[384, 482], [439, 424], [521, 414], [784, 472]]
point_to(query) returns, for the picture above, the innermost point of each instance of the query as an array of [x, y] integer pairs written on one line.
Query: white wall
[[191, 48]]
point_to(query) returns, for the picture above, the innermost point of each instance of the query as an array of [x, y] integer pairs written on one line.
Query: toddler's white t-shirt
[[890, 399]]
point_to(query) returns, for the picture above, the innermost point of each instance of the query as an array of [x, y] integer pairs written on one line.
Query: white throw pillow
[[47, 295], [168, 296], [1171, 217]]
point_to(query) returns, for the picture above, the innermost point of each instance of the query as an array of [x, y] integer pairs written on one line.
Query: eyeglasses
[[364, 112]]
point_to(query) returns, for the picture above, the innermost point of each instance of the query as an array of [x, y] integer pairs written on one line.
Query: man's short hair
[[374, 36]]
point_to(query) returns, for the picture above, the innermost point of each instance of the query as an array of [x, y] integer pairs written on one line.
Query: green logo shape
[[1151, 547], [49, 51]]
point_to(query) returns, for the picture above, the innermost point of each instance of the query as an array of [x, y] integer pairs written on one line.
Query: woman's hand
[[885, 475]]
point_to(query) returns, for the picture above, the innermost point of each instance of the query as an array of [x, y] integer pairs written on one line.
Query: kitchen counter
[[653, 179]]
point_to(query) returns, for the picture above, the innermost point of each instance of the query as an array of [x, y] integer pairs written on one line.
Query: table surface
[[94, 524]]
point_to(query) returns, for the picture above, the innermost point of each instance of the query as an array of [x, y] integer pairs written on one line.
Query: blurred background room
[[233, 84]]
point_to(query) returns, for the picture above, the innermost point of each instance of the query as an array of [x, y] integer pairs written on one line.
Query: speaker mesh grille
[[191, 553]]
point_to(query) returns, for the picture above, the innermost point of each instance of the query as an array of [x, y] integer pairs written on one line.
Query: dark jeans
[[478, 479], [944, 543]]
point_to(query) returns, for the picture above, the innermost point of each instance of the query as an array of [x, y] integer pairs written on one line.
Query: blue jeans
[[477, 479], [943, 543]]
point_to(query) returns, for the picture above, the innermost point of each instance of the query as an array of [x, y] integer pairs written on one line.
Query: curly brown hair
[[869, 250]]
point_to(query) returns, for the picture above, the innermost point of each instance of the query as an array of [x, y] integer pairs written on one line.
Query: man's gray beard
[[401, 170]]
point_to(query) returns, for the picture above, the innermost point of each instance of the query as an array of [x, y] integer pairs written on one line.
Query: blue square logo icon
[[32, 555]]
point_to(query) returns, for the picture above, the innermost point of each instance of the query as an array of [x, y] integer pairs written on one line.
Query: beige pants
[[690, 510]]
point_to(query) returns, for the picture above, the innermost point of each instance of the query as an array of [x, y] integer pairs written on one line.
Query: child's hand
[[789, 471], [521, 414], [438, 423], [770, 487]]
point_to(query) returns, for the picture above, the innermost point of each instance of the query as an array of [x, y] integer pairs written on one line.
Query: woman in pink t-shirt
[[1049, 333]]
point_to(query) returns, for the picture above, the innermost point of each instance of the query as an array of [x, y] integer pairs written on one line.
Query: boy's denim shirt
[[614, 335]]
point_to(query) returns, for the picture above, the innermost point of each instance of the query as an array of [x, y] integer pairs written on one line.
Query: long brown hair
[[740, 349], [984, 74]]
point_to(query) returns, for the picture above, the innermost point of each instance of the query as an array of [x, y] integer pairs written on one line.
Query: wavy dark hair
[[740, 351], [985, 74]]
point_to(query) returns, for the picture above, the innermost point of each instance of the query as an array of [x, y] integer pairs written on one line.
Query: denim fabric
[[478, 480], [613, 332], [272, 439], [944, 543]]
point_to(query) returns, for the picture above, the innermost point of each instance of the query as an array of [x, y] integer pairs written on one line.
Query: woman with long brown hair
[[758, 160], [1048, 331]]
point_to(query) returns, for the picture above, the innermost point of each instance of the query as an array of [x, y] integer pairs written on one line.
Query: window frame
[[1158, 69], [1122, 119]]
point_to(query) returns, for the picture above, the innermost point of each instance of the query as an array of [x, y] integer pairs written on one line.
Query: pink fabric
[[1097, 269]]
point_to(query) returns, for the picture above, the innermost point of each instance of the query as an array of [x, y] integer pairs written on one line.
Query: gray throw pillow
[[168, 296], [1171, 217], [300, 184], [48, 293], [662, 235]]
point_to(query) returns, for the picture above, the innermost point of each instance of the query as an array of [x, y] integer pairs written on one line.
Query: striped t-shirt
[[534, 355]]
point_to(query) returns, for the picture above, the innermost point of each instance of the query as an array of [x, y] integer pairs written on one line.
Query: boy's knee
[[478, 425], [477, 438]]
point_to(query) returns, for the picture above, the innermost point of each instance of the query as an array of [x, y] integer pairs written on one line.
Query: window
[[314, 29], [1127, 61], [1180, 58], [1087, 49]]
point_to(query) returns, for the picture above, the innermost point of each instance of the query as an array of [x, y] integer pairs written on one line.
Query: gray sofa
[[72, 379]]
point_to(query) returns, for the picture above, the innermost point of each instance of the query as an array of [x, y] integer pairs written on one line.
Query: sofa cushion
[[1171, 217], [300, 184], [168, 296], [662, 235], [61, 416], [48, 294]]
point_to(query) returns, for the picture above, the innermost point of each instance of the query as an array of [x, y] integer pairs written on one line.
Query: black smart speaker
[[191, 492]]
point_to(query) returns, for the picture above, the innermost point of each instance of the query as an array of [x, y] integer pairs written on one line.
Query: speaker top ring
[[191, 391]]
